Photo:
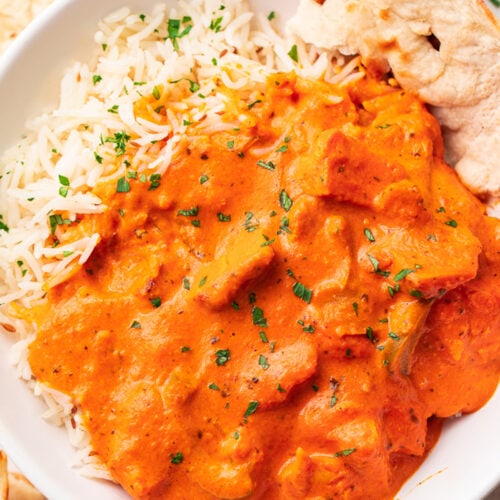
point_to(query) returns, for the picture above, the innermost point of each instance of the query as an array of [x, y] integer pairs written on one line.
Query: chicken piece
[[446, 52], [239, 260]]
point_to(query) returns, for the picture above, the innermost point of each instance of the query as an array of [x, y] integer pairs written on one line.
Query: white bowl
[[465, 464]]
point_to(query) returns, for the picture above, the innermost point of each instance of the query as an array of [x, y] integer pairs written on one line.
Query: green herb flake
[[344, 453], [393, 290], [252, 104], [190, 212], [393, 336], [376, 267], [403, 274], [213, 387], [263, 337], [451, 223], [154, 181], [282, 149], [263, 362], [155, 301], [135, 324], [97, 157], [258, 318], [222, 356], [369, 334], [251, 409], [185, 348], [176, 458], [123, 185], [174, 30], [202, 281], [356, 308], [333, 401], [285, 200], [120, 140], [235, 305], [156, 93], [369, 235], [416, 293], [271, 15], [294, 53], [96, 79], [216, 24], [114, 109], [302, 292], [280, 389], [269, 165], [224, 217], [203, 179]]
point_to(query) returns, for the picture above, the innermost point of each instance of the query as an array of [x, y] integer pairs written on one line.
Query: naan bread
[[448, 52]]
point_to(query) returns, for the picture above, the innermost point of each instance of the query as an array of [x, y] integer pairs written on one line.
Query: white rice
[[131, 58]]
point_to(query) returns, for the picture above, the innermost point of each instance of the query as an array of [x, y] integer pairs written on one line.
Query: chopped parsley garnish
[[54, 221], [252, 104], [135, 324], [271, 15], [190, 212], [280, 389], [224, 217], [369, 235], [213, 387], [64, 189], [222, 356], [376, 268], [156, 93], [393, 336], [416, 293], [285, 200], [123, 185], [451, 223], [114, 109], [96, 79], [293, 53], [403, 274], [344, 453], [3, 226], [369, 334], [302, 292], [269, 165], [251, 409], [216, 24], [263, 337], [355, 307], [155, 301], [263, 362], [176, 458], [154, 180], [120, 140], [258, 317], [203, 179], [174, 30]]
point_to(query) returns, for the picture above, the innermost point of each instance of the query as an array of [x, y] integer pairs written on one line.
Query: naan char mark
[[447, 52]]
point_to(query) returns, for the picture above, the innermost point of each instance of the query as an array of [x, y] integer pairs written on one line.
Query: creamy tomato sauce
[[286, 312]]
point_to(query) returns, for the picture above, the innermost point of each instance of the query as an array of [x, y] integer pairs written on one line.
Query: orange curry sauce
[[286, 311]]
